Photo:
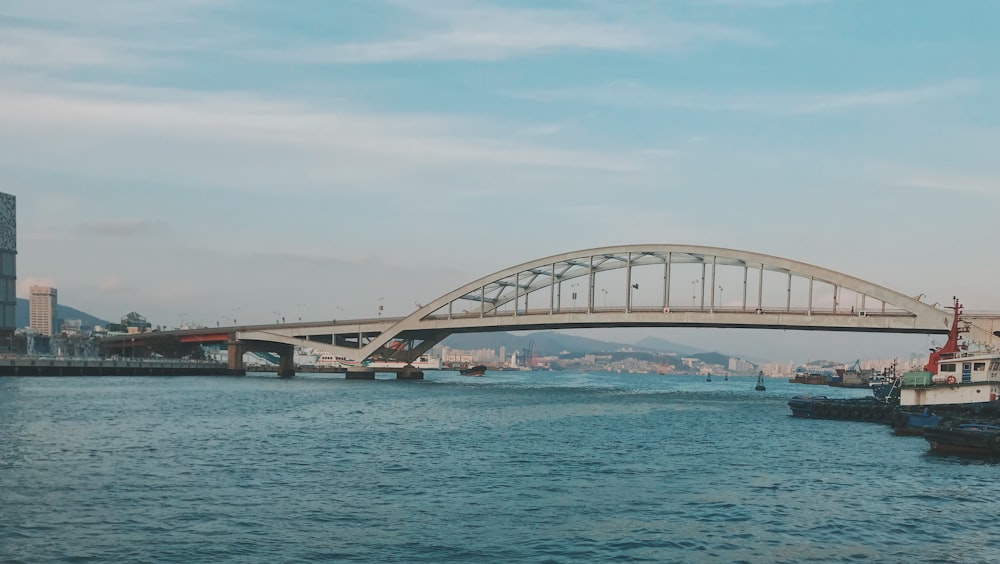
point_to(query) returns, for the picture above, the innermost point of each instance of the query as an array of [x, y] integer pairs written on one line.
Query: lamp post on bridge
[[720, 296], [574, 286], [694, 289], [605, 292]]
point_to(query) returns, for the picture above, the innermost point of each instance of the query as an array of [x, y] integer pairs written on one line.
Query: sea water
[[511, 467]]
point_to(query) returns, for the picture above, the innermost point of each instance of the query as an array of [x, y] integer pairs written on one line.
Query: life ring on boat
[[951, 379], [666, 310]]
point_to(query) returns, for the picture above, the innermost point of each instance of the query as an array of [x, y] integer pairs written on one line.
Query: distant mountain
[[712, 358], [546, 343], [62, 312], [551, 343], [658, 344]]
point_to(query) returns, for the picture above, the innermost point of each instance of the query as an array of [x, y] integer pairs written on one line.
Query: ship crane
[[529, 354]]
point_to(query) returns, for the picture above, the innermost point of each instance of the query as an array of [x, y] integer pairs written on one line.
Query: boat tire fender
[[995, 443], [899, 420]]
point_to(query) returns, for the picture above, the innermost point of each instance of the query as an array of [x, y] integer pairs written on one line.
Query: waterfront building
[[72, 326], [42, 310], [740, 366], [134, 323], [8, 270]]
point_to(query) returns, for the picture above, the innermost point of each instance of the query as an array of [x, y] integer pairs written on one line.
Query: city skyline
[[217, 160]]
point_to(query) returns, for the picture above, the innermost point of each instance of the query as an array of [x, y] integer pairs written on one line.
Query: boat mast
[[951, 347]]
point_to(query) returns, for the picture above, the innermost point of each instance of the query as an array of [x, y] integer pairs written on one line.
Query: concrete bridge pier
[[360, 373], [236, 351], [286, 369], [409, 372]]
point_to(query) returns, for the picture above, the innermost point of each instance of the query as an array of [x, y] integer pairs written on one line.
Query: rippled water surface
[[537, 467]]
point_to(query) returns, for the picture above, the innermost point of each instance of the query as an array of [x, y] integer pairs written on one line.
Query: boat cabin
[[963, 378]]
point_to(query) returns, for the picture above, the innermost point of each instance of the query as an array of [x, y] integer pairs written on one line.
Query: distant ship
[[477, 370], [331, 360]]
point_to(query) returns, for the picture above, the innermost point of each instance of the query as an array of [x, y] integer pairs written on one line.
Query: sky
[[210, 160]]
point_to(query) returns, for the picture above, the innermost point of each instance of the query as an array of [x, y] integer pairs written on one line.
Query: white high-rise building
[[8, 269], [42, 306]]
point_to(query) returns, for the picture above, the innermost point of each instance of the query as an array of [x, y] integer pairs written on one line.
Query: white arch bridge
[[626, 286]]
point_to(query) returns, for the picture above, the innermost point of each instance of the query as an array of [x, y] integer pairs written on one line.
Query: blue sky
[[201, 160]]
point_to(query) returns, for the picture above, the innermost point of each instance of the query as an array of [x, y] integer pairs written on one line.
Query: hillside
[[552, 343]]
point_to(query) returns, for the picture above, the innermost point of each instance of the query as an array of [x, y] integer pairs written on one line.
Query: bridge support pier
[[409, 372], [286, 369], [360, 373], [236, 351]]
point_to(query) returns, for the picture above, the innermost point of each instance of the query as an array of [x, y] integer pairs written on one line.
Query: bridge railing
[[675, 309]]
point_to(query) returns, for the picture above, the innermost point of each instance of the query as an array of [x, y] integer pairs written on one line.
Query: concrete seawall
[[39, 366]]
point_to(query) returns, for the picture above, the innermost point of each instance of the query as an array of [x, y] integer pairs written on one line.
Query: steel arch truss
[[560, 291]]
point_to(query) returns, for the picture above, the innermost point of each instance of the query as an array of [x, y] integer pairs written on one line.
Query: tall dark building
[[8, 268]]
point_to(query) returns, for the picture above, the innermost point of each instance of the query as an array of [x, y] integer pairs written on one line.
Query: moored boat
[[330, 360], [423, 362], [850, 409], [880, 407], [966, 438], [914, 422], [477, 370], [802, 376], [853, 377], [954, 383]]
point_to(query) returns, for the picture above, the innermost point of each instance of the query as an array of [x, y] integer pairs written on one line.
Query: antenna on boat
[[953, 344]]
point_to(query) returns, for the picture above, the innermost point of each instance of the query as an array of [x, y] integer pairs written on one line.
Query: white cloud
[[539, 130], [110, 13], [30, 48], [768, 4], [470, 32], [884, 98], [955, 183], [111, 283], [638, 96], [240, 140], [122, 228], [118, 35], [24, 284]]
